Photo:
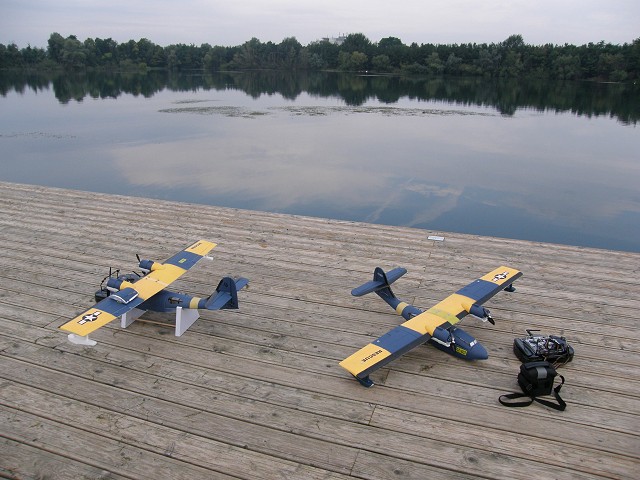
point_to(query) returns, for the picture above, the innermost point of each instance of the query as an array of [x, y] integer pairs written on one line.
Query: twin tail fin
[[226, 294]]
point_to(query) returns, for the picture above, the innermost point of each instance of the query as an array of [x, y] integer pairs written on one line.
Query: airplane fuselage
[[163, 301], [448, 338]]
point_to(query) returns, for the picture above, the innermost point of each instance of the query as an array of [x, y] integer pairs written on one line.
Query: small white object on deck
[[129, 317], [184, 319], [81, 340]]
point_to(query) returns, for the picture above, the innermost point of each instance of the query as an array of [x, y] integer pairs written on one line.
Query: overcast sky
[[232, 22]]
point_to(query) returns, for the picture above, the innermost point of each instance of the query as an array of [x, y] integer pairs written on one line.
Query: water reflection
[[493, 174], [619, 100], [375, 151]]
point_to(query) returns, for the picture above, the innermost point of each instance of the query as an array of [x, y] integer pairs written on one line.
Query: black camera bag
[[536, 379]]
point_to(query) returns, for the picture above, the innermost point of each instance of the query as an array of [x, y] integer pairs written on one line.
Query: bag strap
[[511, 396], [556, 392]]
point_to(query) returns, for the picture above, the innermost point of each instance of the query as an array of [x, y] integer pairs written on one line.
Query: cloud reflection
[[397, 169]]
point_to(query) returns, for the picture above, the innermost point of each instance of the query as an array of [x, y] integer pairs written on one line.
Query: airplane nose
[[477, 352]]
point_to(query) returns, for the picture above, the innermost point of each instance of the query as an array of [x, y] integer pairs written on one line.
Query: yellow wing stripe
[[201, 247], [87, 322], [364, 358], [157, 280], [501, 275]]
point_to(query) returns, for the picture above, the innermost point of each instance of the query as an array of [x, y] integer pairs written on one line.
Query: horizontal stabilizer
[[380, 280]]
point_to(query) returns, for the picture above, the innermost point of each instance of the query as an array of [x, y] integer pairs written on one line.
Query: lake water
[[545, 162]]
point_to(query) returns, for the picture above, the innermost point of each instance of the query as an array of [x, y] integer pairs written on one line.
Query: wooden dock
[[258, 392]]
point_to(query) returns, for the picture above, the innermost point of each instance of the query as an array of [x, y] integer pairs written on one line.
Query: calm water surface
[[544, 174]]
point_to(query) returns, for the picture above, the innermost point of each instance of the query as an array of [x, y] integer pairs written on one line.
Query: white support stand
[[130, 317], [80, 340], [184, 319]]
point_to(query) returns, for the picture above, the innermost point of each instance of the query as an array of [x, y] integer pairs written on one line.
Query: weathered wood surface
[[258, 393]]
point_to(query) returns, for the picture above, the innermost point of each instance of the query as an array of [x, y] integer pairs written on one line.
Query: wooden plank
[[258, 392], [211, 414], [21, 460], [518, 443], [392, 443], [103, 454], [224, 460]]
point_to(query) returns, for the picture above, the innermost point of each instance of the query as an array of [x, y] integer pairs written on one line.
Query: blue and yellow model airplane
[[129, 296], [436, 325]]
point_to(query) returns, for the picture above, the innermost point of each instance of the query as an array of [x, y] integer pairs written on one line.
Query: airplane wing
[[422, 327], [160, 276]]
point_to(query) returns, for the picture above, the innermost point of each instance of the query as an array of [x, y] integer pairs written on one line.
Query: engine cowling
[[113, 284], [149, 266], [481, 313], [442, 336], [116, 284], [459, 343]]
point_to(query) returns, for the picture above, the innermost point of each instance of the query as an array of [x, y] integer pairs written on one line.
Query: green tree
[[488, 61], [381, 63], [356, 42], [514, 42], [395, 50], [611, 65], [249, 55], [218, 57], [13, 57], [55, 47], [453, 64], [511, 64], [434, 64], [325, 54], [74, 54], [316, 62], [106, 51], [352, 62], [566, 67], [632, 53], [289, 53]]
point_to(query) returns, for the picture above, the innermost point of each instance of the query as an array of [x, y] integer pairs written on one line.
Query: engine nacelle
[[458, 343], [149, 266], [116, 284], [481, 313], [441, 336], [113, 284]]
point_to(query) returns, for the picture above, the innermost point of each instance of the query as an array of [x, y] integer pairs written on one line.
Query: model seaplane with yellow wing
[[129, 296], [436, 325]]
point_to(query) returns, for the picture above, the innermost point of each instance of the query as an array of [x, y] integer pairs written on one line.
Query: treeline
[[511, 58]]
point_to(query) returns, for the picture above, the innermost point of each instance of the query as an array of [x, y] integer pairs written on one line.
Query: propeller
[[111, 274]]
